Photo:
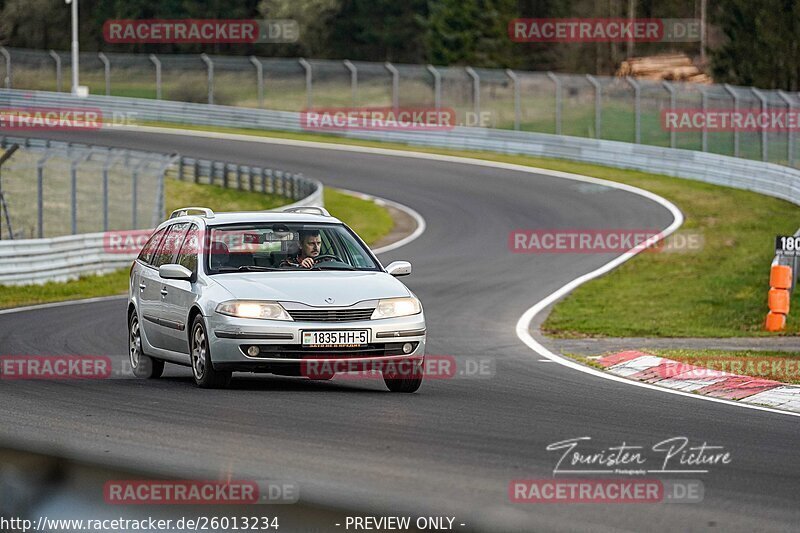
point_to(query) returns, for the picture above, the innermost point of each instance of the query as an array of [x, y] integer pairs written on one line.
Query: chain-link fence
[[54, 188], [623, 109]]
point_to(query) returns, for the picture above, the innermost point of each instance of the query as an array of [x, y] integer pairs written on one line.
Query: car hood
[[313, 288]]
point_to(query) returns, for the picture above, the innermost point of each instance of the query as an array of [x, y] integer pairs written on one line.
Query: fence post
[[557, 83], [74, 196], [517, 111], [106, 167], [210, 66], [598, 95], [476, 91], [106, 71], [668, 86], [764, 110], [637, 106], [790, 135], [395, 84], [40, 194], [353, 80], [704, 106], [7, 57], [437, 86], [732, 92], [307, 67], [157, 63], [57, 59], [135, 194], [259, 79]]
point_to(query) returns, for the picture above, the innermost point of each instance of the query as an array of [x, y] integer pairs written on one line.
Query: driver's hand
[[308, 262]]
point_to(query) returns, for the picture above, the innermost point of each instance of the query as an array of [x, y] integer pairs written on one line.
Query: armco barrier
[[766, 178], [30, 261]]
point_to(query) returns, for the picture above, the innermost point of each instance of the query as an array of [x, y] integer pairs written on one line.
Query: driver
[[310, 243]]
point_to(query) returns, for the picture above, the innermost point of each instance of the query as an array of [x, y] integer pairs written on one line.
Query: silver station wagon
[[294, 293]]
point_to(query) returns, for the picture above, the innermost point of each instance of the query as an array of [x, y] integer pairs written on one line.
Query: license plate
[[344, 338]]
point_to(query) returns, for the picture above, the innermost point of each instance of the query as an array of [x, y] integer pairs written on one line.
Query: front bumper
[[280, 343]]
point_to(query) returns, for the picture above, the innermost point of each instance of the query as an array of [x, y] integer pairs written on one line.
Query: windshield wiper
[[248, 268], [319, 267]]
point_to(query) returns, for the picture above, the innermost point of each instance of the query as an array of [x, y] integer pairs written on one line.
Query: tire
[[203, 371], [404, 381], [143, 365]]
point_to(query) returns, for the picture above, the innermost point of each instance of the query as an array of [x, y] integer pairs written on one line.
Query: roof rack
[[183, 211], [310, 209]]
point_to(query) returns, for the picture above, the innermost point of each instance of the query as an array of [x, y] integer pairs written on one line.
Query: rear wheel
[[203, 371], [143, 366]]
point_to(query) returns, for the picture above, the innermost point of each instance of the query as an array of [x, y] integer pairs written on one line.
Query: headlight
[[244, 309], [394, 307]]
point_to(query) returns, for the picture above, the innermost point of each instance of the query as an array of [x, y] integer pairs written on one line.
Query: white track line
[[523, 324], [420, 229], [61, 304]]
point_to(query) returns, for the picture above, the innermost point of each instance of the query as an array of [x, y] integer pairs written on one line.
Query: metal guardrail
[[545, 102], [766, 178]]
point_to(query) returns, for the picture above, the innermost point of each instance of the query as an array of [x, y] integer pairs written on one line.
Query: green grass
[[778, 366], [366, 218], [720, 291], [85, 287], [181, 193]]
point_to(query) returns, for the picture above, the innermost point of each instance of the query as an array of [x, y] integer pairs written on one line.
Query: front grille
[[330, 315], [295, 351]]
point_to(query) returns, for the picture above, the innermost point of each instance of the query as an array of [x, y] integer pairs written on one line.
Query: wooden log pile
[[671, 67]]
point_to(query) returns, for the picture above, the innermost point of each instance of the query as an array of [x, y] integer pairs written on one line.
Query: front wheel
[[402, 378], [203, 371], [143, 366]]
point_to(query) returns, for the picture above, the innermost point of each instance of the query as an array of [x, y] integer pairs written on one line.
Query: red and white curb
[[676, 375]]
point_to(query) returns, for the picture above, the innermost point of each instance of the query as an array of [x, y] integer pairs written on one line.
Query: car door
[[166, 254], [148, 286], [180, 295]]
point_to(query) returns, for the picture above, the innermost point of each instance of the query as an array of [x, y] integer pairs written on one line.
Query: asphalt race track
[[453, 447]]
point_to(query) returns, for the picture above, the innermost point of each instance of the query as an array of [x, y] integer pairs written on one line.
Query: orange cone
[[775, 321], [780, 277], [779, 301]]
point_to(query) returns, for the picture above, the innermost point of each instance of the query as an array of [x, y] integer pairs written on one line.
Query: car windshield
[[268, 246]]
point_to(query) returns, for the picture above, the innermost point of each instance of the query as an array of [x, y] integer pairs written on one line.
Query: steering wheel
[[327, 257]]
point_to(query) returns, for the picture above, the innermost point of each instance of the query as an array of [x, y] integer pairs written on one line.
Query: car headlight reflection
[[245, 309], [394, 307]]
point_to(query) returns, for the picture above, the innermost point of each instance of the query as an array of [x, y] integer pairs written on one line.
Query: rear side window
[[187, 257], [170, 245], [150, 247]]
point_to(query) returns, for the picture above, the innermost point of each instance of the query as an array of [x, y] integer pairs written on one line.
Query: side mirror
[[399, 268], [175, 271]]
